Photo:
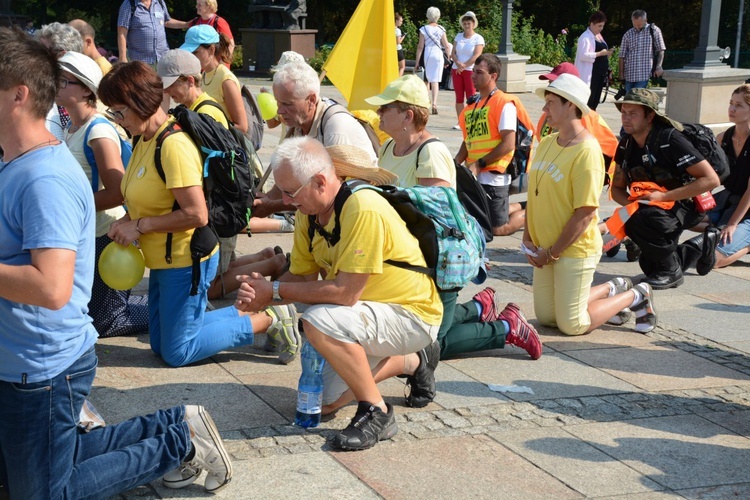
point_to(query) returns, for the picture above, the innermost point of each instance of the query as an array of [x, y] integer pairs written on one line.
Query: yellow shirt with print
[[567, 179], [210, 110], [213, 84], [146, 195], [371, 233]]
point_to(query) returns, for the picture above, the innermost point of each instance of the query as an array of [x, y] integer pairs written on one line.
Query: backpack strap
[[89, 153], [171, 128], [425, 143], [213, 104]]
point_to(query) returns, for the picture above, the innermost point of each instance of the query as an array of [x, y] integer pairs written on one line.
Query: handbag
[[704, 202], [446, 60]]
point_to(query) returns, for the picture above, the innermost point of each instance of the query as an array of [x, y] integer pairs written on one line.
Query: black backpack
[[227, 181], [703, 139]]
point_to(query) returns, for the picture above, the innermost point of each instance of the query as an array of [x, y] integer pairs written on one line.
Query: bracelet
[[137, 228], [550, 258]]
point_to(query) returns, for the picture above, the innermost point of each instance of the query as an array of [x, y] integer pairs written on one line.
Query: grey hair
[[305, 155], [60, 37], [433, 14], [302, 77], [638, 14]]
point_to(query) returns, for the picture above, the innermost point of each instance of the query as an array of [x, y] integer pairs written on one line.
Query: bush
[[541, 47], [237, 61]]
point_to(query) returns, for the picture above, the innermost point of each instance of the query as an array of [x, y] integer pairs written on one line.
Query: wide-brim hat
[[560, 69], [176, 63], [471, 15], [571, 88], [409, 89], [648, 99], [201, 34], [83, 68], [351, 161]]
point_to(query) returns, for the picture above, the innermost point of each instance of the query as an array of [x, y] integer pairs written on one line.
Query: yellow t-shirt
[[146, 195], [435, 161], [566, 179], [213, 84], [103, 64], [372, 232], [210, 110]]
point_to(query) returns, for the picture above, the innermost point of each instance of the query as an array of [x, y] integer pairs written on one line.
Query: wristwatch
[[276, 296], [481, 163]]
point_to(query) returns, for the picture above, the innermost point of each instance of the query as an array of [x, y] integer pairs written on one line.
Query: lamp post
[[506, 46], [708, 52]]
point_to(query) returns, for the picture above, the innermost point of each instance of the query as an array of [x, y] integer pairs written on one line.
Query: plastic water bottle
[[310, 388]]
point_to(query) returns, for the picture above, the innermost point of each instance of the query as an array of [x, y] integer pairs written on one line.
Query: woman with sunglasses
[[419, 159], [181, 331], [212, 50], [96, 145]]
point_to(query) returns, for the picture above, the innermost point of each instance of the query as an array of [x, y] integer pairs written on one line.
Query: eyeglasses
[[64, 82], [384, 107], [116, 114], [293, 195]]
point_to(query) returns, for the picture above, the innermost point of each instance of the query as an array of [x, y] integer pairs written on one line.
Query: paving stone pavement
[[613, 414]]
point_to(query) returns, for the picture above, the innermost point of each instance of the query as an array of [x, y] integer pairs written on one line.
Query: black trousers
[[657, 232]]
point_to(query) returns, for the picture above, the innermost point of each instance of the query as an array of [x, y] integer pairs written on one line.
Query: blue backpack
[[126, 150], [450, 239]]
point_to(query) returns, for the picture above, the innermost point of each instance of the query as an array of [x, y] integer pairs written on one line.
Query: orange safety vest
[[616, 223], [480, 128]]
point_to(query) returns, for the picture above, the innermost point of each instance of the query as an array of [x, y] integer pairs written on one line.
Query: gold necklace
[[203, 77], [540, 174]]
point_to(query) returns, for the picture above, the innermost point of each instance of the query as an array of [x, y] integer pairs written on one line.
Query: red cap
[[558, 70]]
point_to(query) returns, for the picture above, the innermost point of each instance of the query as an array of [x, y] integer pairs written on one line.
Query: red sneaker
[[489, 300], [521, 334]]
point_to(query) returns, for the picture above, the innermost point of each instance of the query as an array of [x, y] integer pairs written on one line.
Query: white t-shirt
[[75, 144], [398, 35], [464, 47], [508, 121]]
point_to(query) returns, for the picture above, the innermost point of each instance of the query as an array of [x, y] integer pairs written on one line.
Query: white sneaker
[[210, 453], [183, 476], [456, 127], [284, 331]]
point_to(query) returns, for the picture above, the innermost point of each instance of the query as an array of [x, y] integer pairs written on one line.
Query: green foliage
[[237, 61], [321, 56], [535, 43], [411, 36]]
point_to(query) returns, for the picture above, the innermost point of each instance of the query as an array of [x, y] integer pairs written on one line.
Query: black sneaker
[[633, 250], [422, 383], [369, 425]]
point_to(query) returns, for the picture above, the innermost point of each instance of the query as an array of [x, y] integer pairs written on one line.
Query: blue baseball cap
[[199, 35]]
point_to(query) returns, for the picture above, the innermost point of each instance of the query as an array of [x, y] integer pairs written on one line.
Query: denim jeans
[[635, 85], [181, 332], [43, 453]]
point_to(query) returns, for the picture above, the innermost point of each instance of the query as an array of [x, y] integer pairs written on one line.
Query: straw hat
[[648, 99], [571, 88], [83, 68], [286, 58], [351, 161]]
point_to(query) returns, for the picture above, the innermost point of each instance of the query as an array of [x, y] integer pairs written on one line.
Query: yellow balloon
[[267, 105], [121, 268]]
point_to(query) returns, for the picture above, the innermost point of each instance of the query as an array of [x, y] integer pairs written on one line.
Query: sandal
[[434, 109]]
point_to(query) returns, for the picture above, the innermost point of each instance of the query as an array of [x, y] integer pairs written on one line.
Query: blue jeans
[[43, 453], [635, 85], [181, 332]]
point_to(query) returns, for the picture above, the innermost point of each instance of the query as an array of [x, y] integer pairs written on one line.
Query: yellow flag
[[364, 61]]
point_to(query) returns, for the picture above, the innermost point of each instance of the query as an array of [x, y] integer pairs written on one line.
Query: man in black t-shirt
[[650, 152]]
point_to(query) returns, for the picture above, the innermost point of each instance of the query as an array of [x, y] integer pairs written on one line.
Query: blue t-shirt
[[147, 39], [45, 202]]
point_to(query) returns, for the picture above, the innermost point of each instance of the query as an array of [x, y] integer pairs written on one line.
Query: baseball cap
[[409, 89], [83, 68], [199, 35], [560, 69], [176, 63]]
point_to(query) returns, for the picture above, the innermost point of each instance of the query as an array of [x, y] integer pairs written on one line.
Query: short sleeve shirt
[[371, 233], [212, 111], [664, 166], [637, 50], [45, 202], [434, 162], [464, 47], [147, 39], [215, 21], [213, 84]]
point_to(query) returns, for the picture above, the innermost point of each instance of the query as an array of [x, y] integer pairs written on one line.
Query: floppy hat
[[409, 89], [571, 88], [648, 99], [472, 16], [351, 161], [286, 58], [199, 35], [560, 69], [176, 63], [83, 68]]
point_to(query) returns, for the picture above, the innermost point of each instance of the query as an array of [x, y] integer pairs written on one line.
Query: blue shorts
[[740, 239]]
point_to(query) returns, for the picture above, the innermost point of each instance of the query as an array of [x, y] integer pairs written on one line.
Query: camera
[[473, 99], [620, 93]]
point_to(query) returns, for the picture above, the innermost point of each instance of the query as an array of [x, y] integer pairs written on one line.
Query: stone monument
[[278, 26], [512, 76]]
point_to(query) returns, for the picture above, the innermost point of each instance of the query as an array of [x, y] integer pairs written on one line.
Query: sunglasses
[[385, 107], [64, 82]]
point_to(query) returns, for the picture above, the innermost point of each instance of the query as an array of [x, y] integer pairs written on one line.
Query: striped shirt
[[147, 40], [638, 49]]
